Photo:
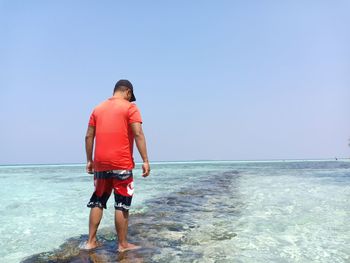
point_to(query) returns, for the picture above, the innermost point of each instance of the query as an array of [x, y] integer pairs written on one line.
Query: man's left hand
[[146, 169]]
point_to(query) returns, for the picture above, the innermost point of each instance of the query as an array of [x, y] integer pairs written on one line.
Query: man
[[114, 125]]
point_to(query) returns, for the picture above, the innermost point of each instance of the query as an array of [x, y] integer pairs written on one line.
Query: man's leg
[[94, 222], [121, 226]]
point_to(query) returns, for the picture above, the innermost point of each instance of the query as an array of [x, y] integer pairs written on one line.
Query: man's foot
[[89, 245], [127, 247]]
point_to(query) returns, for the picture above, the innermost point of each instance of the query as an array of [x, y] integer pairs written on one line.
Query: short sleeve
[[92, 120], [134, 114]]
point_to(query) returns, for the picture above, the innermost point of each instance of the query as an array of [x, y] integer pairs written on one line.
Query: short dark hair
[[120, 88]]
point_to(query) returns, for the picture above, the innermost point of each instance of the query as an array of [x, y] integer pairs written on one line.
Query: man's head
[[125, 87]]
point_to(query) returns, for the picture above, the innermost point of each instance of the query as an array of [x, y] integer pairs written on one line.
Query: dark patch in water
[[162, 230], [63, 179]]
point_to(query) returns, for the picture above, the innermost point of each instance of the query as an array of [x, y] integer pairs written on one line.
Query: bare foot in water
[[127, 247], [89, 245]]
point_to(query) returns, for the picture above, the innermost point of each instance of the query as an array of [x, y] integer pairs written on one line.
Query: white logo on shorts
[[130, 188]]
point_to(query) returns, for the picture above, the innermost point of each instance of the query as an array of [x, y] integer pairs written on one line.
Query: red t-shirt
[[114, 139]]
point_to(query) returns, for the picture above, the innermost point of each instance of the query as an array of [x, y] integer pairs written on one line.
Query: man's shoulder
[[128, 105], [102, 104], [133, 105]]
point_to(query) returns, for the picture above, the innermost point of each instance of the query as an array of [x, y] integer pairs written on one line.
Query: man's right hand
[[146, 169], [90, 167]]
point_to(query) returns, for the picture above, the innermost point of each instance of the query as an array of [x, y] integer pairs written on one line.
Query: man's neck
[[119, 96]]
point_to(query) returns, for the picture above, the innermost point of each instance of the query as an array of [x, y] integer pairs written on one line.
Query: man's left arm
[[89, 146]]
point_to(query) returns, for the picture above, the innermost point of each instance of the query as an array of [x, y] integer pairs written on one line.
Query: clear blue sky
[[213, 79]]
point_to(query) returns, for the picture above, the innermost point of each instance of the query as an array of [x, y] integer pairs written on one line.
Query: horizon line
[[195, 161]]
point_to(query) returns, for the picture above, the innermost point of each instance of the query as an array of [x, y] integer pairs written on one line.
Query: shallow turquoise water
[[295, 211]]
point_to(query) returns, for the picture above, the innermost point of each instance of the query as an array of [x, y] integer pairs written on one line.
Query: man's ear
[[129, 94]]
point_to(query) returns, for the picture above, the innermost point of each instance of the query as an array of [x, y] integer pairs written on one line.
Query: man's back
[[114, 138]]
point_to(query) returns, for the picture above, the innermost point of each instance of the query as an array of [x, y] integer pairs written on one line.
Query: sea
[[201, 211]]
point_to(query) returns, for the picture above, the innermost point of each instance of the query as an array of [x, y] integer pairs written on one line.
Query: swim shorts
[[121, 181]]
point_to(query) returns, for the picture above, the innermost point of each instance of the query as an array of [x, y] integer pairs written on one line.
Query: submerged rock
[[166, 231]]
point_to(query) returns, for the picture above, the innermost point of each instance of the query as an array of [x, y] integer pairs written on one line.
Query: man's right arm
[[89, 146], [140, 140]]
